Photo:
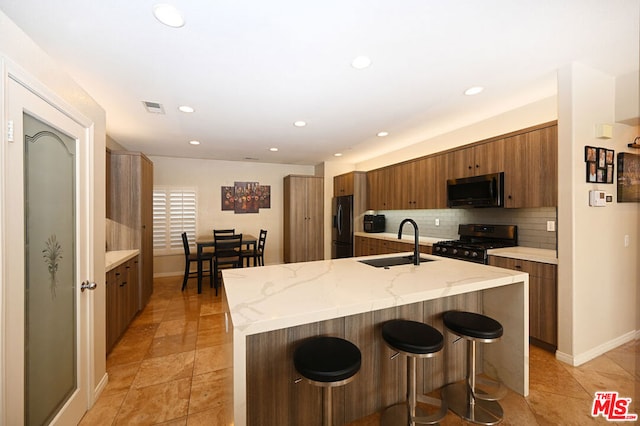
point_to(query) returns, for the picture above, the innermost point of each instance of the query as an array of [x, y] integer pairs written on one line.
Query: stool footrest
[[498, 391], [399, 414], [477, 411]]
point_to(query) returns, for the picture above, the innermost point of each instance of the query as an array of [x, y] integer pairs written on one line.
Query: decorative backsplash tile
[[532, 223]]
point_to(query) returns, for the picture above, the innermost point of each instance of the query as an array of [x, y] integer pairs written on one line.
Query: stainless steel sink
[[385, 262]]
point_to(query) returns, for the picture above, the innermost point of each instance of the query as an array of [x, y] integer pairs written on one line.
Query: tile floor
[[173, 366]]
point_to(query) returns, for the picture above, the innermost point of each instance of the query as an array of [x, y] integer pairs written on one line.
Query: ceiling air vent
[[153, 107]]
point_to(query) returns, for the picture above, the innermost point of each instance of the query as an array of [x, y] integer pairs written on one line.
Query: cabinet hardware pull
[[296, 381]]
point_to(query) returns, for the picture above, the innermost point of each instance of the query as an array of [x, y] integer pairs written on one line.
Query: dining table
[[203, 241]]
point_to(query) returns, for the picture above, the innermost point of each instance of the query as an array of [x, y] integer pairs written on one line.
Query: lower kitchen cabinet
[[366, 246], [543, 298], [122, 300]]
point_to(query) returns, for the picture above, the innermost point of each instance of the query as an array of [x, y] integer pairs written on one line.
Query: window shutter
[[174, 212]]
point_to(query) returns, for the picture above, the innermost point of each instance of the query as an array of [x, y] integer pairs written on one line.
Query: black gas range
[[476, 240]]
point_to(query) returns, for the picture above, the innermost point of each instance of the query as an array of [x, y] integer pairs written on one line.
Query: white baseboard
[[598, 350], [101, 385]]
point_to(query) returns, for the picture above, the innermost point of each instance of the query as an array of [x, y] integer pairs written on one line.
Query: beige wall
[[207, 176], [17, 51], [598, 276]]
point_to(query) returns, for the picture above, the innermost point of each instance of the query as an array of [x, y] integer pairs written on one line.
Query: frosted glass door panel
[[50, 271]]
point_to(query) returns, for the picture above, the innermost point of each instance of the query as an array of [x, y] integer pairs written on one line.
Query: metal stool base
[[482, 412], [398, 414]]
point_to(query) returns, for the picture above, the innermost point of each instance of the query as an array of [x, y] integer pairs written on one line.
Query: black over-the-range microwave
[[476, 191]]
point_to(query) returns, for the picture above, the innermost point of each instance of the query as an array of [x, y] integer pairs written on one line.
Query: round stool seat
[[412, 337], [327, 359], [473, 325]]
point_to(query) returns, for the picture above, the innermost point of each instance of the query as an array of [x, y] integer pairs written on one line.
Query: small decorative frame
[[592, 171], [590, 153]]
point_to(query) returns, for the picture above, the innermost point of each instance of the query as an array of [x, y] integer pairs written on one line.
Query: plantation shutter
[[174, 212]]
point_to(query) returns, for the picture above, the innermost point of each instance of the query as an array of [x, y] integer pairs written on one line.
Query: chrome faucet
[[416, 250]]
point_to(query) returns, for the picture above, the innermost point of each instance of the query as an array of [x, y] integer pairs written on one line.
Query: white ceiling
[[251, 68]]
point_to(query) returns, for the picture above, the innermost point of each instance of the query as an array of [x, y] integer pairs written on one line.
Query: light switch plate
[[551, 225]]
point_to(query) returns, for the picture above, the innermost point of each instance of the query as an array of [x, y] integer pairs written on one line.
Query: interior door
[[46, 342]]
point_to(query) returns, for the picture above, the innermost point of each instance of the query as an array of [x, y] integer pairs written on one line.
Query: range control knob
[[444, 249], [455, 251], [474, 254], [466, 253]]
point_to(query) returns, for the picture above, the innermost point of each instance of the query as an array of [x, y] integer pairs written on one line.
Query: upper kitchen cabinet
[[531, 168], [379, 188], [348, 183], [131, 195], [303, 218], [476, 160]]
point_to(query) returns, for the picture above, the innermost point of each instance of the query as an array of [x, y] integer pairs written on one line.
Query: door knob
[[88, 285]]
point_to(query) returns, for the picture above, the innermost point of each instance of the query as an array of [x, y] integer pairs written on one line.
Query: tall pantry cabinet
[[303, 218], [131, 206]]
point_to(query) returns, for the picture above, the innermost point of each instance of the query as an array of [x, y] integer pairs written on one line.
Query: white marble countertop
[[275, 297], [526, 253], [280, 296], [407, 237], [115, 258]]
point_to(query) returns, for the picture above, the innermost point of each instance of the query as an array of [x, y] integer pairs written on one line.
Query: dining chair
[[189, 258], [227, 254], [224, 232], [259, 255]]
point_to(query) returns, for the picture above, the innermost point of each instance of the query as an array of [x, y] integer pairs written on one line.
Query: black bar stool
[[414, 340], [464, 398], [327, 362]]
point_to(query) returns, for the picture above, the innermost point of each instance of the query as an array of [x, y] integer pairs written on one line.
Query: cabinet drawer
[[536, 269]]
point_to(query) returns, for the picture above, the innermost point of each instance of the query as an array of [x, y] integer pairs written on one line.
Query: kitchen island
[[273, 308]]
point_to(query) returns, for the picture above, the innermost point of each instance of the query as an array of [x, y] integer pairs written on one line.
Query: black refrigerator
[[342, 235]]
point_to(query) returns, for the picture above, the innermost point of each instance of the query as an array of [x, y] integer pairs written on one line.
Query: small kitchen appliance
[[476, 240], [374, 223]]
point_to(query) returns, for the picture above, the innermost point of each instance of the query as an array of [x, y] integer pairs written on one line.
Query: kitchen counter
[[526, 253], [518, 252], [115, 258], [407, 237], [283, 296]]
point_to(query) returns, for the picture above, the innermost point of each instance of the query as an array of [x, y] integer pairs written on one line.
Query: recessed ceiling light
[[361, 62], [194, 142], [383, 134], [186, 108], [168, 15], [337, 154], [273, 149], [473, 90], [300, 123]]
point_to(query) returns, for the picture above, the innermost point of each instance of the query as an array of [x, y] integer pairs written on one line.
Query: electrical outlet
[[626, 241], [551, 225], [437, 222]]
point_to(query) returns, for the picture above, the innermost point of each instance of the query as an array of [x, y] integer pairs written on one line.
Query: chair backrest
[[228, 245], [185, 244], [224, 232], [262, 240]]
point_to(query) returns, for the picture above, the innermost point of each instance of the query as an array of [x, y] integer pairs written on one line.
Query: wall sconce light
[[635, 143], [604, 131]]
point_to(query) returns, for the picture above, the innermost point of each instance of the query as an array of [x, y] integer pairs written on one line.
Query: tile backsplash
[[532, 223]]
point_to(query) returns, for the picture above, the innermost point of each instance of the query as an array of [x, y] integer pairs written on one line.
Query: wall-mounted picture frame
[[610, 156], [628, 178], [601, 175], [592, 171], [602, 158], [609, 173], [590, 153]]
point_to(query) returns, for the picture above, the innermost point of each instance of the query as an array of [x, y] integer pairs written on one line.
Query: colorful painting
[[246, 197], [228, 198]]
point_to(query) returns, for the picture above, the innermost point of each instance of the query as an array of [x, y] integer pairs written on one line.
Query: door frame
[[9, 71]]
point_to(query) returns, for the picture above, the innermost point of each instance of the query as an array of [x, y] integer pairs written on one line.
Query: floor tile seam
[[147, 356], [587, 397]]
